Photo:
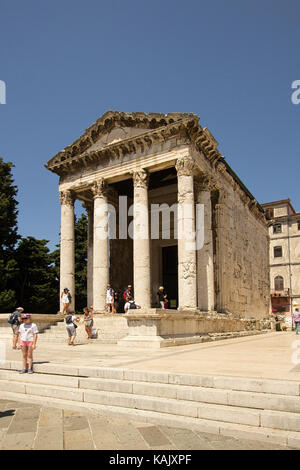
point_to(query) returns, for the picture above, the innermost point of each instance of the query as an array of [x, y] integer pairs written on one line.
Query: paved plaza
[[42, 425], [26, 426]]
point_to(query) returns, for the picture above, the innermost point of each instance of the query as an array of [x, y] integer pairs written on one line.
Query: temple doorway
[[170, 273]]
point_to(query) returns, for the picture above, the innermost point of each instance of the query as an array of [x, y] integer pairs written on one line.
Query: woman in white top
[[66, 300], [27, 342], [110, 299]]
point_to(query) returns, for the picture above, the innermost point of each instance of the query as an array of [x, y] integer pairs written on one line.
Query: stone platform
[[148, 328], [156, 328], [246, 387]]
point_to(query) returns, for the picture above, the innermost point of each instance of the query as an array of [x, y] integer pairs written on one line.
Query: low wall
[[157, 329], [42, 321]]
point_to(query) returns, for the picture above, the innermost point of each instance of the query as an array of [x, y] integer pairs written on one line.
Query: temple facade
[[164, 208]]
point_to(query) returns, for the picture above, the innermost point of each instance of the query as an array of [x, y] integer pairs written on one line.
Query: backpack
[[12, 319], [68, 319], [132, 305]]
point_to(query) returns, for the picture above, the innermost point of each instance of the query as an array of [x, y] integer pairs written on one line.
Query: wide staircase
[[248, 408], [108, 328]]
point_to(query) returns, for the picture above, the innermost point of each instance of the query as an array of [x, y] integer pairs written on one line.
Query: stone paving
[[265, 356], [25, 426]]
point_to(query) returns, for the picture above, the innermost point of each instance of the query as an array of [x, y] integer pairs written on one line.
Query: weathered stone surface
[[228, 274]]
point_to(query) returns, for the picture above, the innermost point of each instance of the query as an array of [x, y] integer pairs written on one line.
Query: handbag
[[75, 326]]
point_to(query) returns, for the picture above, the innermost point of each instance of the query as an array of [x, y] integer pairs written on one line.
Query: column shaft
[[67, 246], [205, 265], [187, 285], [141, 240], [90, 246], [100, 246]]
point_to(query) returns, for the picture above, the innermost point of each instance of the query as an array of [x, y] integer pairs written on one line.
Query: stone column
[[90, 246], [141, 239], [100, 248], [220, 254], [205, 256], [187, 275], [67, 243]]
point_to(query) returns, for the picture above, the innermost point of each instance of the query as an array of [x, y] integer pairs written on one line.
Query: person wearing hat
[[128, 292], [27, 342], [66, 299], [15, 322]]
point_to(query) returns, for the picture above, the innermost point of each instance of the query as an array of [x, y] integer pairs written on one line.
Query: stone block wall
[[242, 268]]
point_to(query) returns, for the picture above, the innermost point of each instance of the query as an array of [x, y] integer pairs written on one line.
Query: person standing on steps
[[28, 333], [161, 296], [71, 326], [66, 300], [110, 299], [15, 321], [88, 321], [296, 320], [127, 292], [131, 304]]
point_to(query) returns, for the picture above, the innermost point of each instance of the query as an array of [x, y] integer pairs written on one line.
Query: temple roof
[[116, 119], [143, 129]]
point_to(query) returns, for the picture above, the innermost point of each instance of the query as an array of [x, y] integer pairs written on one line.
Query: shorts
[[89, 323], [28, 344], [15, 329], [71, 330]]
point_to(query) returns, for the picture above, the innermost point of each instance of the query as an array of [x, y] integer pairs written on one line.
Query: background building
[[284, 231]]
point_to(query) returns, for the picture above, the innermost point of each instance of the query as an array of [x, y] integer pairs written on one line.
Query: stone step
[[262, 434], [178, 392], [231, 383], [210, 412]]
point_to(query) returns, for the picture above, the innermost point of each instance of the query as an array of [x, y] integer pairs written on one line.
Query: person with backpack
[[127, 292], [131, 304], [71, 327], [28, 333], [14, 320]]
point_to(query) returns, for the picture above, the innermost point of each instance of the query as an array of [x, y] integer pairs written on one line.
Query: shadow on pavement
[[3, 414]]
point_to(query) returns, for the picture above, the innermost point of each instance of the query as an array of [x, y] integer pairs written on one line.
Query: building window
[[278, 282], [277, 251], [269, 213], [277, 228], [298, 222]]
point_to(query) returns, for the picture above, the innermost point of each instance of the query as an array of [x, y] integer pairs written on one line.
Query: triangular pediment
[[113, 127]]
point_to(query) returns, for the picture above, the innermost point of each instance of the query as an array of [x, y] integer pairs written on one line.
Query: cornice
[[111, 120], [158, 129]]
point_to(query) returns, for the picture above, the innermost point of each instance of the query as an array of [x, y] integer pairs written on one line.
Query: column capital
[[99, 188], [185, 166], [204, 183], [67, 197], [140, 178]]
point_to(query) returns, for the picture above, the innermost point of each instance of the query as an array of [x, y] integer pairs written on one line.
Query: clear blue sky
[[232, 62]]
